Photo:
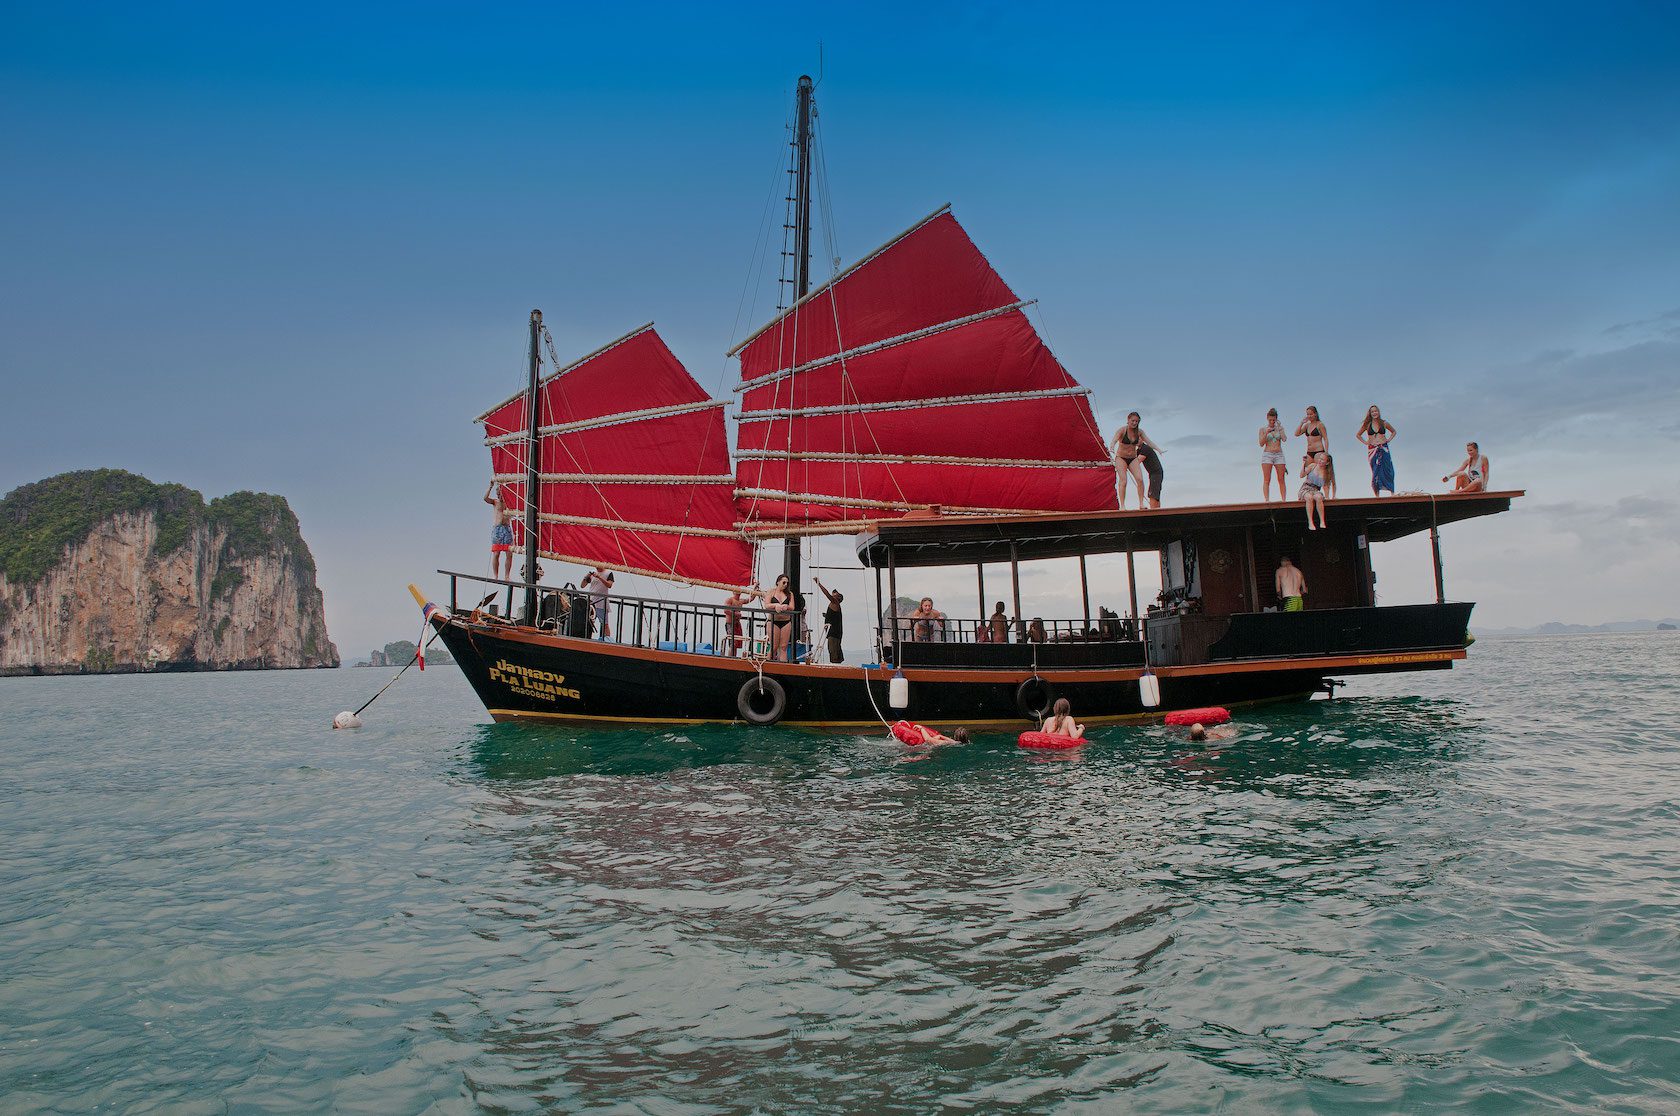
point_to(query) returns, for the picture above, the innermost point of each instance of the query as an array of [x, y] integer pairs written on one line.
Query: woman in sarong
[[1376, 433]]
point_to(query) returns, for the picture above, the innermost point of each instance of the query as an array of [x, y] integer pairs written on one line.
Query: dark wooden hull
[[521, 674]]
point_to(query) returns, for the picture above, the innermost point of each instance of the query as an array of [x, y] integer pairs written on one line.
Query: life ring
[[1212, 715], [1049, 741], [1033, 698], [908, 733], [752, 693]]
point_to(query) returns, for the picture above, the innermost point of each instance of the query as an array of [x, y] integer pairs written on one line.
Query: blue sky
[[294, 250]]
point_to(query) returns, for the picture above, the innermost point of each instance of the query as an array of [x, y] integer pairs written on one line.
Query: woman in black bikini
[[780, 603], [1128, 462]]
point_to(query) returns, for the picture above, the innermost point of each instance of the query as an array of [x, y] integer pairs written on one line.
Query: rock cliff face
[[105, 572]]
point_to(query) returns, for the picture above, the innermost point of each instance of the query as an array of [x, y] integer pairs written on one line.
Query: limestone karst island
[[102, 571]]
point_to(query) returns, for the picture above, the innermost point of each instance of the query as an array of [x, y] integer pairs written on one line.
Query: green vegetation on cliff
[[38, 521]]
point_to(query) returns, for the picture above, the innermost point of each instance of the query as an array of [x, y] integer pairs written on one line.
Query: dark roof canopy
[[964, 540]]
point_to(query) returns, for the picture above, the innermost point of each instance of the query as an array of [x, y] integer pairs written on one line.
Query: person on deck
[[1126, 461], [1272, 437], [1061, 722], [1151, 458], [1376, 433], [999, 623], [780, 603], [598, 583], [1472, 476], [1312, 429], [1035, 631], [1291, 586], [501, 535], [832, 621], [1312, 487], [732, 605], [929, 623]]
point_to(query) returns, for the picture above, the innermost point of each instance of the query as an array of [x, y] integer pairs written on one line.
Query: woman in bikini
[[1472, 476], [1312, 429], [1061, 722], [1376, 433], [1312, 486], [1272, 437], [780, 603], [1126, 460]]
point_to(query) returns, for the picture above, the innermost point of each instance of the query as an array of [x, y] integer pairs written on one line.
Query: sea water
[[1447, 889]]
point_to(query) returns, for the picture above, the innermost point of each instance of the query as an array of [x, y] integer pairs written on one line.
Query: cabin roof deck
[[951, 540]]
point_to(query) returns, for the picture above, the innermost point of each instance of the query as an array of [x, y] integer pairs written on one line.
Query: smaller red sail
[[634, 467], [913, 379]]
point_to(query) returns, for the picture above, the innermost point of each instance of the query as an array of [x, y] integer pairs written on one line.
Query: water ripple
[[1465, 898]]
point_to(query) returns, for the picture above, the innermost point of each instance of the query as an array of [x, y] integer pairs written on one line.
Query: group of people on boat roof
[[1137, 457]]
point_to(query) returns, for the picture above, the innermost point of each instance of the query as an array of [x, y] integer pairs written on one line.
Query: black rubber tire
[[1033, 698], [751, 693]]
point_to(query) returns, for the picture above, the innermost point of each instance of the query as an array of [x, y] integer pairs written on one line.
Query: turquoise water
[[1469, 897]]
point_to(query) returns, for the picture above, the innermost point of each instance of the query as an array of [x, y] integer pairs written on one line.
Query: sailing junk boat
[[906, 402]]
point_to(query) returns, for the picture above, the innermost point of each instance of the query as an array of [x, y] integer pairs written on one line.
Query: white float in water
[[347, 720]]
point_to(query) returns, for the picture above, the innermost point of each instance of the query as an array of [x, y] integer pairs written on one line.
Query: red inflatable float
[[1212, 715], [1049, 741], [908, 733]]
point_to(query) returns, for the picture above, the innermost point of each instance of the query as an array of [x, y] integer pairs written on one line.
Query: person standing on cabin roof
[[598, 584], [501, 535], [1272, 437], [1126, 461], [832, 620], [1376, 433], [1472, 476], [1312, 486], [1312, 429], [1291, 586], [1151, 458]]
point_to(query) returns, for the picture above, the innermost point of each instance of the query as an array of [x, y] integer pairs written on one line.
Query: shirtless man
[[733, 604], [501, 535], [1291, 586], [928, 623], [1472, 476]]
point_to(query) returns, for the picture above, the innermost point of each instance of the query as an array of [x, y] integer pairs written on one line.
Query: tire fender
[[1033, 698], [749, 700]]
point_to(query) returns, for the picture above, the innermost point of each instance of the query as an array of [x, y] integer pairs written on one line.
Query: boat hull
[[522, 675]]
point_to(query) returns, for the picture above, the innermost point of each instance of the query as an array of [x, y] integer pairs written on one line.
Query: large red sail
[[634, 467], [911, 380]]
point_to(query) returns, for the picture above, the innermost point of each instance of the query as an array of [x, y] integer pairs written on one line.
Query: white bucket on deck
[[898, 691], [1149, 690]]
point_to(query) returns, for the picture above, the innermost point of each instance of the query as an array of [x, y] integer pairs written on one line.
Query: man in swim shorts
[[501, 535], [1291, 586]]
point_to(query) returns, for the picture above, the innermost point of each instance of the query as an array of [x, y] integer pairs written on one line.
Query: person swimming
[[1061, 722]]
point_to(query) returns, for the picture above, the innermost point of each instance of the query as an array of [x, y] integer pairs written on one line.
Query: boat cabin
[[1218, 602]]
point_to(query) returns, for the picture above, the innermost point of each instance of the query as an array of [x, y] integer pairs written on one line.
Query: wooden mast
[[533, 471], [801, 199]]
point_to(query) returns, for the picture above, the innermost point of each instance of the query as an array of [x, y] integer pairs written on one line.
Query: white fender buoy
[[898, 691], [1149, 689], [347, 720]]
